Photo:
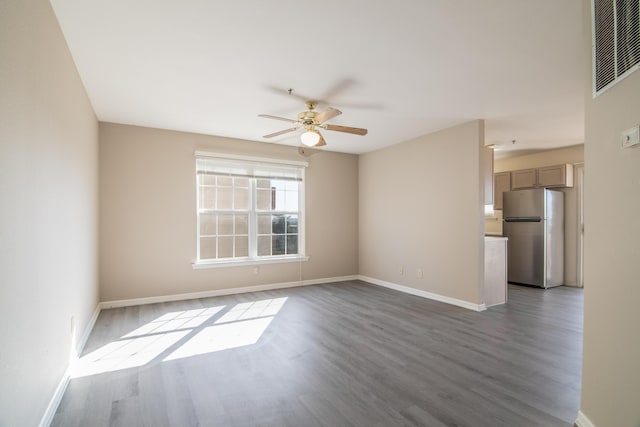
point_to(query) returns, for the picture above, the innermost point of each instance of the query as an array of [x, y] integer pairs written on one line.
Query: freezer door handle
[[523, 219]]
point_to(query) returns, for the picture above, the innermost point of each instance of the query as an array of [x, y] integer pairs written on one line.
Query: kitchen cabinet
[[555, 176], [501, 183], [548, 176], [523, 178]]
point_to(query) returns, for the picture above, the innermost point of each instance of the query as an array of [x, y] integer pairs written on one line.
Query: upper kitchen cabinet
[[556, 176], [501, 183], [523, 178], [548, 176]]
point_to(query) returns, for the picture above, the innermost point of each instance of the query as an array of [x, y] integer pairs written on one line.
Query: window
[[616, 41], [249, 209]]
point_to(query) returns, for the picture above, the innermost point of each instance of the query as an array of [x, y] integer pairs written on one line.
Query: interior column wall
[[421, 209], [611, 378]]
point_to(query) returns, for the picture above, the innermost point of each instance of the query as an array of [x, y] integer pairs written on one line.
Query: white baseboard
[[55, 400], [220, 292], [583, 421], [424, 294], [50, 412], [87, 330]]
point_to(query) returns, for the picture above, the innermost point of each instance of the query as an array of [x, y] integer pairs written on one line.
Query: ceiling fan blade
[[267, 116], [327, 114], [356, 131], [321, 142], [282, 132], [341, 86]]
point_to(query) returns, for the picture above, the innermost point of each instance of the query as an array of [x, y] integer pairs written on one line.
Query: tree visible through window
[[248, 210]]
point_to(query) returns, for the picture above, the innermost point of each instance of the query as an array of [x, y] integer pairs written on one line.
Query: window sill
[[218, 264]]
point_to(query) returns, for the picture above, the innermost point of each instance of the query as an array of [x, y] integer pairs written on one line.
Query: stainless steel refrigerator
[[534, 224]]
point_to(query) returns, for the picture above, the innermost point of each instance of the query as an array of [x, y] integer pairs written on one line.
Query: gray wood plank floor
[[342, 354]]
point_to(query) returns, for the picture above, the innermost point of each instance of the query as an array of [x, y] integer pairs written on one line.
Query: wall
[[48, 214], [421, 207], [611, 376], [572, 155], [148, 222]]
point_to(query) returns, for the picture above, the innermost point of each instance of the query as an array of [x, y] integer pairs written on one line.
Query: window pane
[[225, 247], [277, 245], [225, 225], [291, 203], [225, 181], [278, 185], [242, 224], [241, 182], [292, 224], [263, 202], [207, 224], [207, 197], [280, 204], [206, 179], [277, 224], [207, 247], [291, 186], [292, 244], [264, 224], [225, 198], [264, 245], [241, 198], [242, 246], [263, 183]]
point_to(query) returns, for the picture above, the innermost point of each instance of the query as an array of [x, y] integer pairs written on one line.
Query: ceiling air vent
[[616, 44]]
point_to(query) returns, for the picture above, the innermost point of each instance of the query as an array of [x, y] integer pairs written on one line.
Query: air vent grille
[[616, 30]]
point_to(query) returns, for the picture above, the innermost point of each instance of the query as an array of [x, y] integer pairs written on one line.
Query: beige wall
[[421, 207], [572, 155], [148, 222], [48, 212], [611, 365]]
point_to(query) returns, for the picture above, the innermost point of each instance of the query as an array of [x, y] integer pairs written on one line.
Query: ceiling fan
[[311, 121]]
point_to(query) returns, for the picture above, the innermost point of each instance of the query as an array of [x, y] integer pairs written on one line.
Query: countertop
[[489, 237]]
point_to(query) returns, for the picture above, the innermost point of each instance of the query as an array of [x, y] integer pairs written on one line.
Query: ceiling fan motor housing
[[307, 117]]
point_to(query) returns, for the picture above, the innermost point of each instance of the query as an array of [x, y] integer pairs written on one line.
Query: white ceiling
[[401, 69]]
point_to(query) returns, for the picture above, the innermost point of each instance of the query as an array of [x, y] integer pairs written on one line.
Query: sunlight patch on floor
[[223, 337], [182, 334]]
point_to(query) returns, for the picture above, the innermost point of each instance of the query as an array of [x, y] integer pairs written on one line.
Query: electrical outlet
[[419, 273], [73, 324], [401, 270], [256, 270], [630, 137]]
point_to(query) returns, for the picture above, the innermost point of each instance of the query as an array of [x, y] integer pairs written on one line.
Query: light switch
[[630, 137]]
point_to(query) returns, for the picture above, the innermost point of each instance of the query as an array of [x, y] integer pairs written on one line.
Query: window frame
[[253, 258]]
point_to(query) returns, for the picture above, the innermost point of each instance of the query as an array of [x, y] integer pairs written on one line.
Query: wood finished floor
[[343, 354]]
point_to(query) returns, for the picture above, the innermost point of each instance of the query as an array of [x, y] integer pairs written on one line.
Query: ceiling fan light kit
[[310, 138], [310, 121]]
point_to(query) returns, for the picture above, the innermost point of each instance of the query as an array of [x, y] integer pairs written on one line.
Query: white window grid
[[253, 212]]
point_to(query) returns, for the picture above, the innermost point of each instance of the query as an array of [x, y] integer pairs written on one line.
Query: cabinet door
[[523, 178], [556, 176], [501, 183]]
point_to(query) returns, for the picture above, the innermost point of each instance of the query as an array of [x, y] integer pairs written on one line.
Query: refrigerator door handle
[[523, 219]]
